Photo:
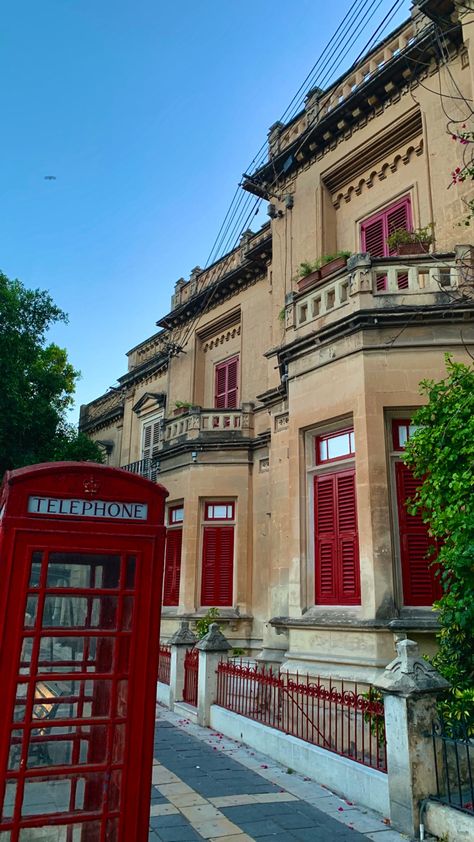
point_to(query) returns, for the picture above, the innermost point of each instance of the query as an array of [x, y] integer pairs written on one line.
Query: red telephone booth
[[81, 564]]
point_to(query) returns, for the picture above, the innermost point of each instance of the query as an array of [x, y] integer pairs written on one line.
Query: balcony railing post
[[211, 648], [410, 687], [179, 643], [360, 273]]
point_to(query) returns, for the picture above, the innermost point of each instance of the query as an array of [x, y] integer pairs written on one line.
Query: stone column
[[182, 640], [212, 648], [410, 687]]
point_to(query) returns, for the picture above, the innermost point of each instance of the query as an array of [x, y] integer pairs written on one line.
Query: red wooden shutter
[[337, 547], [420, 585], [221, 383], [326, 539], [373, 236], [232, 383], [226, 384], [375, 230], [399, 217], [349, 581], [172, 572], [217, 566], [373, 241]]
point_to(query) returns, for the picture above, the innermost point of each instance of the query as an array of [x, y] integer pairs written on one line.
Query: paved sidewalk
[[206, 786]]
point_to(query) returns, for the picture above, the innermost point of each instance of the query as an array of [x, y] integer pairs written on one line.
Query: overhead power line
[[326, 69]]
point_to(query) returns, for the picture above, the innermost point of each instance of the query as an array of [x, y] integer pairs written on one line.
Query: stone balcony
[[367, 284], [200, 428], [208, 424]]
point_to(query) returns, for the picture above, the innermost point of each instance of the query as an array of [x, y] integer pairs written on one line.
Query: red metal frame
[[104, 696], [191, 671], [164, 664], [333, 435], [342, 717], [172, 514], [210, 503], [397, 425]]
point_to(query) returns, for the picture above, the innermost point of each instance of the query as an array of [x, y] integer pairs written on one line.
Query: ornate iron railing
[[337, 717], [164, 664], [453, 746], [147, 468], [191, 668]]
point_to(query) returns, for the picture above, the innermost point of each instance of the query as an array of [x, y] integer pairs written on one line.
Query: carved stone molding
[[385, 169], [221, 338], [281, 422]]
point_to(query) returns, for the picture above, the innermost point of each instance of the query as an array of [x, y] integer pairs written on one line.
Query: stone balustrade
[[196, 422], [370, 284]]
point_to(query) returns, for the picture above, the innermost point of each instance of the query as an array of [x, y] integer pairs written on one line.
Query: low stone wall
[[163, 694], [361, 784], [448, 824]]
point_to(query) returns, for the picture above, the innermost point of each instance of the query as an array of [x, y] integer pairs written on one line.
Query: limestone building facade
[[275, 408]]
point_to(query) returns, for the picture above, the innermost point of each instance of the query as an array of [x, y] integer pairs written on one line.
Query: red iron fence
[[338, 717], [164, 664], [191, 667]]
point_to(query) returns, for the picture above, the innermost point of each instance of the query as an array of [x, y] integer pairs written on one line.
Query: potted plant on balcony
[[405, 242], [330, 263], [180, 407], [311, 272], [308, 274]]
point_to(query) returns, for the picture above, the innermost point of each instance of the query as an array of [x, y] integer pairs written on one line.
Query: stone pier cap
[[183, 636], [409, 674], [214, 641]]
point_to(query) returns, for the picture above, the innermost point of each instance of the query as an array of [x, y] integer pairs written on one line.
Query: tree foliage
[[37, 383], [441, 454]]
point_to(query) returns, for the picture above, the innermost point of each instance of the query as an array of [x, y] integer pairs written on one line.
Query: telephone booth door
[[78, 664]]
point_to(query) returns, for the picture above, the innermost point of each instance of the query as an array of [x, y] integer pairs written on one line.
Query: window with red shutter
[[172, 571], [218, 555], [375, 230], [172, 567], [227, 384], [336, 539], [421, 586]]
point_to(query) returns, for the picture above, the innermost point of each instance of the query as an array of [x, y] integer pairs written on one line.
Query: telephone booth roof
[[81, 482]]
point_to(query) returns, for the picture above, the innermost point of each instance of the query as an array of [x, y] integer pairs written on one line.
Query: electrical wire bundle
[[244, 206]]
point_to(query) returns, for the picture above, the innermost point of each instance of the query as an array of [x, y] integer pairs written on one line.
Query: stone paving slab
[[208, 787]]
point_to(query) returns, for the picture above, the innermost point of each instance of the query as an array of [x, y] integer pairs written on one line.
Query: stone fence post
[[180, 642], [410, 687], [211, 649]]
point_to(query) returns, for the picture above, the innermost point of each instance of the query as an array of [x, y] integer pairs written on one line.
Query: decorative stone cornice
[[156, 399], [358, 103], [386, 168]]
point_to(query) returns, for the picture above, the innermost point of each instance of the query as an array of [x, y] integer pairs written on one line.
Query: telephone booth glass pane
[[71, 701]]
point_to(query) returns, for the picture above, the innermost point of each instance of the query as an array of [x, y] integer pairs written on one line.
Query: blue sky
[[147, 113]]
